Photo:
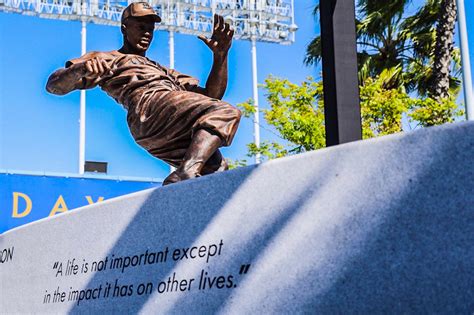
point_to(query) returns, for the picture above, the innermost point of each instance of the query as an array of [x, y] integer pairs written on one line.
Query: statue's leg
[[216, 163], [203, 145]]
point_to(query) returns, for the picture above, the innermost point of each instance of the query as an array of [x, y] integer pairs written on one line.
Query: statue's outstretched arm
[[65, 80], [219, 43], [72, 78]]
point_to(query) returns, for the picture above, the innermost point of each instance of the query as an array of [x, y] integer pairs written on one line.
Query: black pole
[[341, 87]]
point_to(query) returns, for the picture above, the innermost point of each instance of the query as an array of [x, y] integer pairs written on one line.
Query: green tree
[[382, 109], [296, 113], [429, 112]]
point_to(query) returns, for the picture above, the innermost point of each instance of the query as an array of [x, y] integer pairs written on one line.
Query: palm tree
[[443, 49], [389, 39], [380, 38], [436, 78]]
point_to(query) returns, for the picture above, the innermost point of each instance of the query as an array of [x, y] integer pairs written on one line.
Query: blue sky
[[39, 131]]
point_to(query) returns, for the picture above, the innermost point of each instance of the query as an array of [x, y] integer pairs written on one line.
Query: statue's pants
[[163, 122]]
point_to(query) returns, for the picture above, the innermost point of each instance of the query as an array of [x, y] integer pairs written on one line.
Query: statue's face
[[138, 32]]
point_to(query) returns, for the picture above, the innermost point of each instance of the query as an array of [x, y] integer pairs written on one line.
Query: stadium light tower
[[82, 110], [466, 64], [253, 20]]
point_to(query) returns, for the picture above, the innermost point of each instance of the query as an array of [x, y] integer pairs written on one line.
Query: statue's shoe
[[179, 176]]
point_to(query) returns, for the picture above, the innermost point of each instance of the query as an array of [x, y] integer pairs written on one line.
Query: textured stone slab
[[379, 226]]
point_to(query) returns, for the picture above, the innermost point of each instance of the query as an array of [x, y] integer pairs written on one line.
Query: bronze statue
[[169, 115]]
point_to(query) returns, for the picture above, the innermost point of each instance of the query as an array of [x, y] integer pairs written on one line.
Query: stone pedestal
[[377, 226]]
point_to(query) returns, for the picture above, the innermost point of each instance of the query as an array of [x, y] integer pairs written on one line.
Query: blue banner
[[27, 198]]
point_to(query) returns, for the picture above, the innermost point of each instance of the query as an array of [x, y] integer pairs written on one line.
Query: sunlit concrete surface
[[378, 226]]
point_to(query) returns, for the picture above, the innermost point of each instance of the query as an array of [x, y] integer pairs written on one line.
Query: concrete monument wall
[[377, 226]]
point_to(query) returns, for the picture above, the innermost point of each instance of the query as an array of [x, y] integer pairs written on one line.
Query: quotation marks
[[244, 269], [56, 265]]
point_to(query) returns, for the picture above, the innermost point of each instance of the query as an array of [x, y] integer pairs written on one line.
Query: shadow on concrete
[[146, 227], [422, 259], [411, 258], [251, 242], [171, 218]]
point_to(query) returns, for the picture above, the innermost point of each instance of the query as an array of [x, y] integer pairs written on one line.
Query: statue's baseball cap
[[139, 9]]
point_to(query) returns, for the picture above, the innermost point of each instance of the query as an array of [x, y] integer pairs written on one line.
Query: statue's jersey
[[133, 74], [164, 106]]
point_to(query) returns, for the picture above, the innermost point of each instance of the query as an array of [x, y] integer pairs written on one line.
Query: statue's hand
[[221, 38], [96, 68]]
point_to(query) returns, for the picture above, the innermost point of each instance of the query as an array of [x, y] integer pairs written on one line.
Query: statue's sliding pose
[[169, 115]]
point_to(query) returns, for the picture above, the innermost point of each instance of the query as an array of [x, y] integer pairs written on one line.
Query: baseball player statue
[[168, 113]]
